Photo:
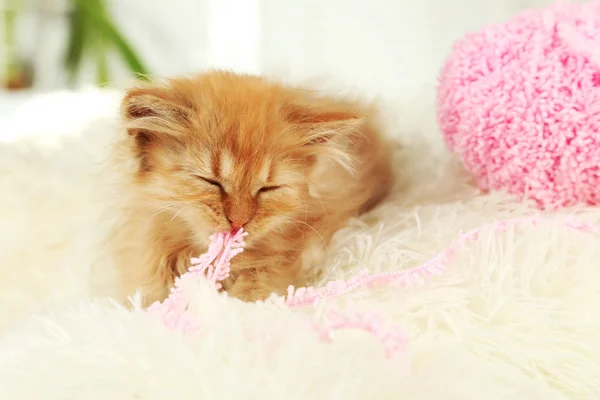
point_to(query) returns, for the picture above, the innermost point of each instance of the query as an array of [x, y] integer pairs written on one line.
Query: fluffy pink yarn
[[213, 266], [519, 103]]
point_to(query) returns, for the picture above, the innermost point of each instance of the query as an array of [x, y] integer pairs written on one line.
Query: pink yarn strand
[[415, 276], [394, 340], [214, 267]]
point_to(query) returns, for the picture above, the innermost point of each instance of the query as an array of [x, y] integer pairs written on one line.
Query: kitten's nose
[[237, 223]]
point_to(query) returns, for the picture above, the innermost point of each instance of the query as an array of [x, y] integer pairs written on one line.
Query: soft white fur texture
[[513, 317]]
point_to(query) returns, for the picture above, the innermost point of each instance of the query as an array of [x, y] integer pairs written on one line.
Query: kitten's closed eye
[[268, 189], [209, 181]]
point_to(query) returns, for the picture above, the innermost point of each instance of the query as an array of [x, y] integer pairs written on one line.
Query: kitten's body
[[293, 166]]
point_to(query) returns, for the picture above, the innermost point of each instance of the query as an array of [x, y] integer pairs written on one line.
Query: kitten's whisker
[[177, 213], [305, 217], [304, 223], [294, 221], [317, 198], [192, 137], [323, 207], [160, 209]]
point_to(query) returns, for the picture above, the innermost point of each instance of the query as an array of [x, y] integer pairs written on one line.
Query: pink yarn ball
[[519, 103]]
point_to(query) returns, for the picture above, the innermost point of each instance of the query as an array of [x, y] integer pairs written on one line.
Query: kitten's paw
[[247, 288]]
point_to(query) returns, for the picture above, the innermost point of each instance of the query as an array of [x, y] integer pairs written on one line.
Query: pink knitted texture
[[519, 102]]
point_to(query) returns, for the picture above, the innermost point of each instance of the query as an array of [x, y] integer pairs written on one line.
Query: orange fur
[[222, 150]]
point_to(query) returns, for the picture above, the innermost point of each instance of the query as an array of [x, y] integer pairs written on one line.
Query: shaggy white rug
[[514, 316]]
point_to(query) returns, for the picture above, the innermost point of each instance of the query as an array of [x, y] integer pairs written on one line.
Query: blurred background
[[386, 48]]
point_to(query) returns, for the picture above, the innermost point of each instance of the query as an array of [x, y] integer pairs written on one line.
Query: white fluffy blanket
[[514, 316]]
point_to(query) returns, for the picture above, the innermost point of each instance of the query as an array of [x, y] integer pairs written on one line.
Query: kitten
[[221, 151]]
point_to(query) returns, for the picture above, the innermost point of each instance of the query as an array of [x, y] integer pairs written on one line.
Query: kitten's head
[[222, 151]]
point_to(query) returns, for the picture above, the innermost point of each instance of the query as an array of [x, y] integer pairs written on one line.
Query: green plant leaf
[[112, 35], [91, 30], [102, 74], [78, 36]]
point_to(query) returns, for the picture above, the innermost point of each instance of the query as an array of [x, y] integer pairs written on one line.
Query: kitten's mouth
[[232, 231]]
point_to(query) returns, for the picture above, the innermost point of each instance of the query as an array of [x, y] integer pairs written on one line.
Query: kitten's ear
[[153, 110], [328, 127], [325, 123], [154, 118]]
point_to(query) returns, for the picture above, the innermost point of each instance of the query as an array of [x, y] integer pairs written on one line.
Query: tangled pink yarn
[[214, 266], [519, 102]]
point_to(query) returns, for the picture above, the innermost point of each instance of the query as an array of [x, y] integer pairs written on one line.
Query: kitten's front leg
[[257, 273], [249, 287], [258, 284], [153, 272]]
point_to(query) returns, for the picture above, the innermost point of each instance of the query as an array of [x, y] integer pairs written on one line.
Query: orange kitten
[[220, 151]]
